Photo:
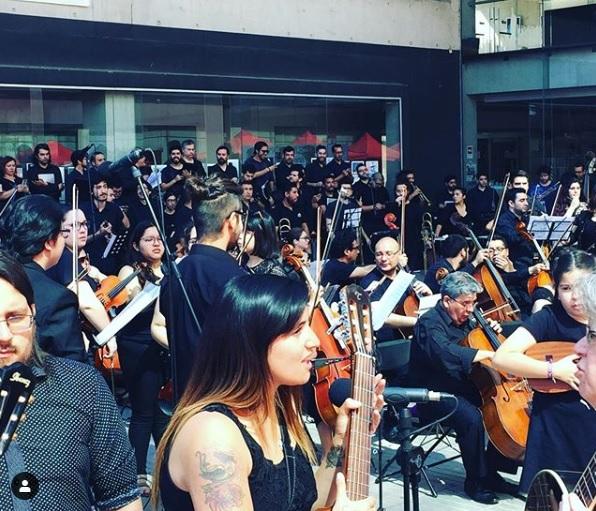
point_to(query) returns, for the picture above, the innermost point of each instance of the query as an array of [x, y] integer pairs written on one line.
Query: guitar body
[[546, 492], [549, 350]]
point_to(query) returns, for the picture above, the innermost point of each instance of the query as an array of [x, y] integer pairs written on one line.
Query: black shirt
[[52, 189], [295, 215], [437, 360], [138, 212], [481, 205], [82, 182], [315, 173], [231, 172], [452, 222], [283, 171], [520, 249], [430, 279], [344, 212], [73, 441], [7, 184], [168, 173], [195, 168], [335, 168], [252, 165], [204, 272], [336, 272]]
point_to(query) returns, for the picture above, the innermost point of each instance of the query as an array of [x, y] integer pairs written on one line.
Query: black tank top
[[270, 485]]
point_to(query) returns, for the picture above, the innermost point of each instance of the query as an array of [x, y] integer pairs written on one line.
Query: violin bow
[[74, 231], [499, 208], [318, 255], [556, 200]]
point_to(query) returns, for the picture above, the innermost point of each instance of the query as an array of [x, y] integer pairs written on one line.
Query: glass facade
[[369, 129]]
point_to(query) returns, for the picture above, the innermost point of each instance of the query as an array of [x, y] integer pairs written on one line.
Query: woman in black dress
[[454, 216], [562, 429], [9, 181], [141, 358], [259, 245], [237, 439]]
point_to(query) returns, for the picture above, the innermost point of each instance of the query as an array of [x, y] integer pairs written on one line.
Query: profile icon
[[24, 486]]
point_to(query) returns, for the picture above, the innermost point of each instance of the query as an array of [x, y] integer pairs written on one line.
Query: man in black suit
[[33, 233]]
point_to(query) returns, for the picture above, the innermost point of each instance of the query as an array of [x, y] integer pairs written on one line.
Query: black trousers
[[142, 366]]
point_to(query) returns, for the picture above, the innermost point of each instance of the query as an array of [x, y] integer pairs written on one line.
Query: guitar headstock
[[16, 385], [357, 311]]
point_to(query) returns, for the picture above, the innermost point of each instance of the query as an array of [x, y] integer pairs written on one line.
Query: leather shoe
[[497, 484], [479, 493]]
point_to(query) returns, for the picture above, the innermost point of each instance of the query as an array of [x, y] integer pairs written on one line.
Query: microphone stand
[[174, 272]]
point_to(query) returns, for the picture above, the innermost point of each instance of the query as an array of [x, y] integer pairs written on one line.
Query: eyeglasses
[[264, 151], [304, 238], [466, 305], [78, 225], [357, 247], [19, 323], [152, 240]]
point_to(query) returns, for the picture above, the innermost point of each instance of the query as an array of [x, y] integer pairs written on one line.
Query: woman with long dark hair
[[237, 439], [141, 358], [562, 428], [9, 181], [572, 201]]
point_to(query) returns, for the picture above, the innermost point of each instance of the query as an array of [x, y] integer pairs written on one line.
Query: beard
[[221, 161]]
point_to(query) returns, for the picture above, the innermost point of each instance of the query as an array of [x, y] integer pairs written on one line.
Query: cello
[[505, 399], [334, 354], [543, 277]]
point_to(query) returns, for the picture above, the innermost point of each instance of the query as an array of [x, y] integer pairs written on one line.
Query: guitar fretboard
[[585, 488]]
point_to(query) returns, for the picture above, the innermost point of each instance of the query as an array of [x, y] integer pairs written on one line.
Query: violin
[[112, 291], [332, 344], [505, 399], [543, 278]]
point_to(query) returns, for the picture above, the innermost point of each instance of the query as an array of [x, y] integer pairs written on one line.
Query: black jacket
[[56, 316]]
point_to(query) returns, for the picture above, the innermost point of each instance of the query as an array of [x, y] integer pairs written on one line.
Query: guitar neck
[[585, 488], [357, 462]]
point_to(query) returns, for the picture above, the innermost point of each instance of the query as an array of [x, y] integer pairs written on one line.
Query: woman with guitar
[[236, 439], [562, 429], [142, 359]]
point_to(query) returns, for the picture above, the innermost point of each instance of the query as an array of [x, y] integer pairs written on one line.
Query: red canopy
[[60, 153], [307, 138], [369, 148], [244, 138]]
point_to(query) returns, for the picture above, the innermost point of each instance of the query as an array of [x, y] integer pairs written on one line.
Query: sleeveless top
[[270, 485]]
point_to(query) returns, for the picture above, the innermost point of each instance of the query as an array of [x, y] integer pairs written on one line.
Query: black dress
[[562, 432], [269, 483]]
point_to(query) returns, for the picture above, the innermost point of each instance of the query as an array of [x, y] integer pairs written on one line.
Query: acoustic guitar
[[16, 385], [549, 351], [548, 490]]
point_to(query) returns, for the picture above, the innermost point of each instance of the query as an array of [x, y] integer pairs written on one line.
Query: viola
[[543, 278], [505, 399], [109, 367], [332, 342], [112, 291]]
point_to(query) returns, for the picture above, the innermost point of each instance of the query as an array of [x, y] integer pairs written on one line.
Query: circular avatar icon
[[24, 486]]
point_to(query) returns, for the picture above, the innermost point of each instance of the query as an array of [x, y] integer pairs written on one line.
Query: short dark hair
[[13, 272], [222, 147], [512, 194], [578, 164], [77, 156], [38, 148], [288, 185], [32, 221], [259, 145], [344, 240], [544, 169], [187, 142], [288, 149], [336, 146], [481, 173], [95, 155], [520, 173], [319, 147], [461, 189], [453, 244], [174, 145], [498, 237], [449, 177]]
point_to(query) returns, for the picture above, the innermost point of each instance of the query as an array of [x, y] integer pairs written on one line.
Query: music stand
[[115, 245], [351, 219], [550, 228]]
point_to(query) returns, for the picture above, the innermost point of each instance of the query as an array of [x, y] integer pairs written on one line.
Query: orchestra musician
[[516, 275], [554, 440], [583, 231], [142, 359], [32, 230], [218, 219], [237, 439], [389, 259], [439, 362], [572, 201], [73, 440], [455, 252], [520, 249]]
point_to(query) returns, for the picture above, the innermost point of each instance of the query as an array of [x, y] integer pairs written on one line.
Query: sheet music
[[427, 303], [391, 297], [540, 227], [48, 178], [146, 297]]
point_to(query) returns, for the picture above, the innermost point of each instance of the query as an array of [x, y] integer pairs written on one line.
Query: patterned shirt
[[73, 441]]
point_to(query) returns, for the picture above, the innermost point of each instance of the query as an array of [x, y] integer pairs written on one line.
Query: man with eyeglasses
[[260, 166], [73, 442], [439, 362], [34, 233], [516, 275]]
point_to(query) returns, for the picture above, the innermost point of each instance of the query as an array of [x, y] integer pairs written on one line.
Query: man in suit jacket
[[33, 233]]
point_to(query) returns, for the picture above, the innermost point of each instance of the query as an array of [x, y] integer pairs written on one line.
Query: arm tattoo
[[334, 457], [221, 491]]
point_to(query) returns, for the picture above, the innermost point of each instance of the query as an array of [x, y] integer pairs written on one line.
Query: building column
[[120, 124], [469, 140]]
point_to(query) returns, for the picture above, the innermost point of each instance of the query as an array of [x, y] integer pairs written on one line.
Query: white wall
[[417, 23]]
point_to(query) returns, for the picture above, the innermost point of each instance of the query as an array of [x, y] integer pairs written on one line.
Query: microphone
[[127, 161], [341, 389], [397, 395], [86, 149]]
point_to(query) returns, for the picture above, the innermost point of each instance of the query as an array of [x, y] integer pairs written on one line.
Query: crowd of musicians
[[237, 262]]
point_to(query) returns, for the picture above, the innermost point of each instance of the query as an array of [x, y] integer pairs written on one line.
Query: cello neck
[[486, 328]]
